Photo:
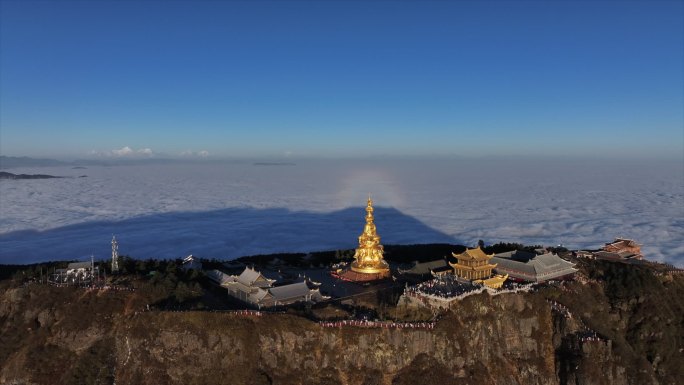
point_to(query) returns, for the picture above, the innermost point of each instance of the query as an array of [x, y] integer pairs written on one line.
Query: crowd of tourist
[[583, 279], [669, 270], [250, 313], [86, 286], [378, 324], [448, 288], [110, 287], [589, 335], [515, 287], [243, 312], [442, 287], [560, 308]]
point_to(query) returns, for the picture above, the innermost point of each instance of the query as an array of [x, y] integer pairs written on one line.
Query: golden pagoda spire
[[369, 210], [368, 255]]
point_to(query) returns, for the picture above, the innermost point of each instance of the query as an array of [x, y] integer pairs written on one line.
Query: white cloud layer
[[201, 154], [124, 152], [230, 210]]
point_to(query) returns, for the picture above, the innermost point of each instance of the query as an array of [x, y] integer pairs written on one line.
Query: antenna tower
[[115, 255]]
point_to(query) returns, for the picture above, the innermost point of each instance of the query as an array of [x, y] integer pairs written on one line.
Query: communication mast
[[115, 255]]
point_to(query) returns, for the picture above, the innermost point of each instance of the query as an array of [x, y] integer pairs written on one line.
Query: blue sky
[[342, 78]]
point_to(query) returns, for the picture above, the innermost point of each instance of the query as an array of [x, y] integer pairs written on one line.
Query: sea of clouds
[[231, 209]]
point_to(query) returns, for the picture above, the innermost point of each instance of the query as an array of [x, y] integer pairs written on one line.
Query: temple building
[[77, 273], [252, 287], [369, 264], [434, 268], [533, 267], [620, 249], [474, 265], [623, 245]]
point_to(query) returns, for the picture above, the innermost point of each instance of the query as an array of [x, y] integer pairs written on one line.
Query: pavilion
[[474, 265]]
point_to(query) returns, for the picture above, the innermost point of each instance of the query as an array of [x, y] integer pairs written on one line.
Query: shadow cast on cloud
[[224, 234]]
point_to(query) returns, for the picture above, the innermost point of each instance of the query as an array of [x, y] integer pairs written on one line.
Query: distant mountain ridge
[[25, 161], [9, 175]]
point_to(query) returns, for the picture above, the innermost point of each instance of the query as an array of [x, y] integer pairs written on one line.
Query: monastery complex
[[438, 282]]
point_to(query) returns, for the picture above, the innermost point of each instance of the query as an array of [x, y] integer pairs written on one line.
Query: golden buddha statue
[[368, 255]]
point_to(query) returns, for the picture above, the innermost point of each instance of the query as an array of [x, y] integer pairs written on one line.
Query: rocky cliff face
[[63, 335], [500, 340]]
